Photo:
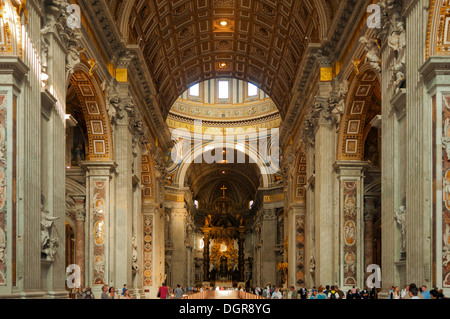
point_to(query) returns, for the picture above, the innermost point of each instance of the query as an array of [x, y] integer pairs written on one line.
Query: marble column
[[351, 223], [99, 226], [436, 77], [241, 254], [325, 220], [369, 212], [206, 240], [80, 218], [269, 241], [310, 250], [178, 219]]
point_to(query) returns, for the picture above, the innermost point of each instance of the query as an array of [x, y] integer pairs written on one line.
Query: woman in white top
[[396, 293]]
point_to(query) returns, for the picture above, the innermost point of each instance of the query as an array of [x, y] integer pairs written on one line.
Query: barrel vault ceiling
[[259, 41]]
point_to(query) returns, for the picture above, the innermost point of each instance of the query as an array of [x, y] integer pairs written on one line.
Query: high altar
[[224, 236]]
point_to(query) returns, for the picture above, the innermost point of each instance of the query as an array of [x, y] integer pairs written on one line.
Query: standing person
[[105, 292], [365, 293], [124, 288], [395, 293], [294, 294], [79, 294], [405, 292], [163, 291], [126, 295], [413, 293], [321, 294], [425, 293], [333, 293], [88, 293], [391, 290], [266, 292], [112, 293], [303, 292], [178, 292], [340, 293], [354, 292], [277, 294], [327, 290]]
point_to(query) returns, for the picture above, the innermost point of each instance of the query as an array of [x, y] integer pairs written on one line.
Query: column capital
[[268, 213], [436, 72], [350, 168], [94, 168]]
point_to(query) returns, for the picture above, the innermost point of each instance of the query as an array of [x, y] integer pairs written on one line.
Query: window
[[252, 90], [250, 204], [224, 88], [194, 90], [196, 203]]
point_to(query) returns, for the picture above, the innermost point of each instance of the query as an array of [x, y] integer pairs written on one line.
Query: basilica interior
[[223, 142]]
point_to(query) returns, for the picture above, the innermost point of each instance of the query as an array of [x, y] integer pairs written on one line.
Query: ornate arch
[[438, 29], [365, 95], [94, 110]]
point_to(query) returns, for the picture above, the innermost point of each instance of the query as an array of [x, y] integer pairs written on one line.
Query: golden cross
[[224, 189]]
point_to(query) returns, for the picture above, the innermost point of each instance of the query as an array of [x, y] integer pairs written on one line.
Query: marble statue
[[2, 245], [48, 244], [337, 101], [397, 42], [135, 265], [400, 217], [312, 262], [372, 52], [446, 137]]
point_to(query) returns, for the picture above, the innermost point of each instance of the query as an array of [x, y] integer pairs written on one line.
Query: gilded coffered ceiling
[[185, 42]]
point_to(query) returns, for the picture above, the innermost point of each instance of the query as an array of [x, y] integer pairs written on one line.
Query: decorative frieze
[[3, 149], [99, 197], [446, 194], [350, 232], [148, 250], [300, 249]]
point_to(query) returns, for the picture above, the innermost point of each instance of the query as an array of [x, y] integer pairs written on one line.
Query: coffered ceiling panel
[[189, 41]]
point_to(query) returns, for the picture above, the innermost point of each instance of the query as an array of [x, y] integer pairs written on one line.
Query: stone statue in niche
[[337, 101], [446, 138], [446, 246], [400, 217], [372, 52], [134, 264], [48, 244], [2, 245], [312, 262], [397, 42]]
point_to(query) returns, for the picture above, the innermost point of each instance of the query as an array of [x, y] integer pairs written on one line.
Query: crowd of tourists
[[411, 291], [107, 293]]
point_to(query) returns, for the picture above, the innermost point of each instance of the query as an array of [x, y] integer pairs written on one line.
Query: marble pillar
[[241, 261], [80, 219], [351, 223], [310, 250], [325, 219], [179, 270], [436, 75], [99, 226], [123, 203], [206, 240], [269, 241], [369, 211]]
